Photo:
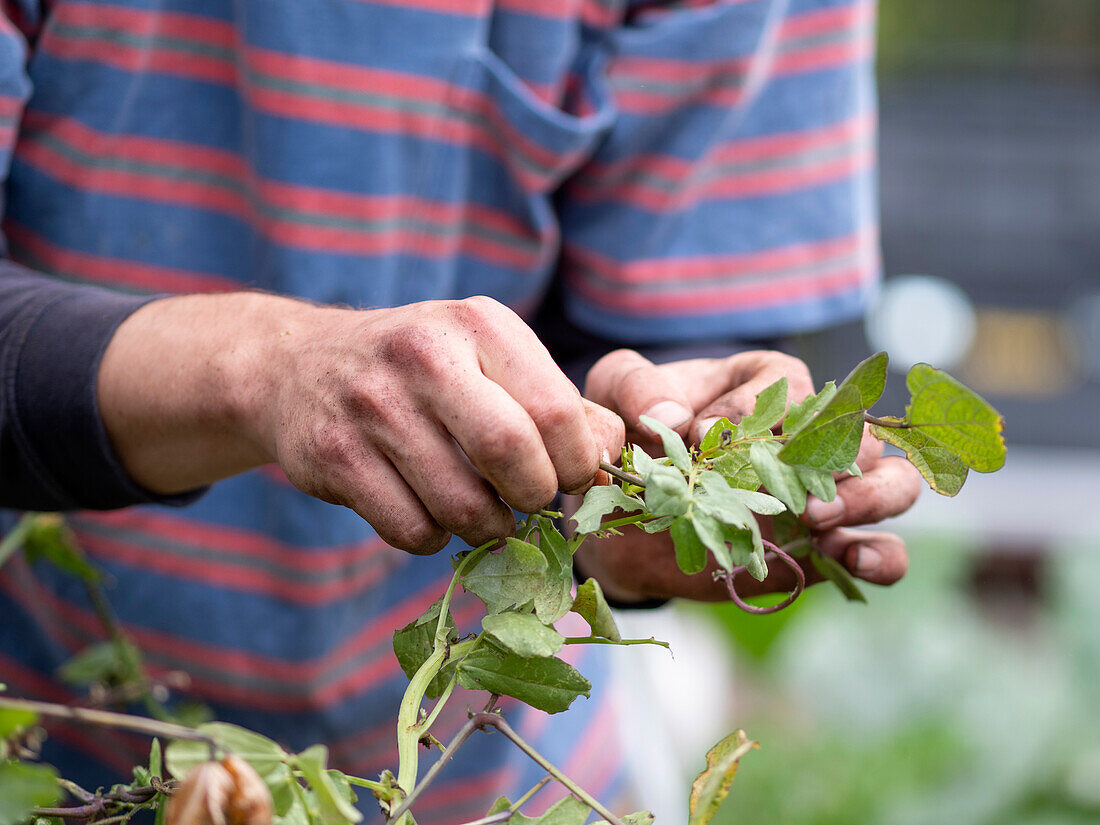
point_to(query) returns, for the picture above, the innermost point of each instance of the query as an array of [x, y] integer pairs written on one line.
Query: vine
[[707, 498]]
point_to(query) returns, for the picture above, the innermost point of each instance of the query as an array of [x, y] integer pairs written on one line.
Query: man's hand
[[427, 419], [689, 396]]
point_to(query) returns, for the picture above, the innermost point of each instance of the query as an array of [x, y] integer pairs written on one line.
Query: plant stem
[[14, 539], [623, 522], [109, 719], [448, 752], [491, 720], [622, 475], [889, 423], [599, 640]]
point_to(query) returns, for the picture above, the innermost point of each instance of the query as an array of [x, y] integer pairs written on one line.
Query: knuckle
[[415, 349], [479, 311], [466, 512], [418, 536], [561, 411], [501, 443]]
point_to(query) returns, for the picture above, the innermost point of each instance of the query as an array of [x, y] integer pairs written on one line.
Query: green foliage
[[835, 572], [523, 634], [546, 683], [508, 578], [592, 607], [414, 643], [23, 787], [944, 471], [334, 797], [955, 417]]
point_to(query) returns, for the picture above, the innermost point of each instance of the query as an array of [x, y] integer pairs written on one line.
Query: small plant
[[707, 498]]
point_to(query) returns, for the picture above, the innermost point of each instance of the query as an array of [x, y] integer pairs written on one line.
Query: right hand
[[428, 419]]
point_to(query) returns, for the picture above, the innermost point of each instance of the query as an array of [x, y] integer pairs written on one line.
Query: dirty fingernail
[[669, 413], [822, 513], [704, 426], [868, 560]]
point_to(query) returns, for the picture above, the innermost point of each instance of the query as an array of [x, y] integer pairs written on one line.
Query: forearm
[[185, 385]]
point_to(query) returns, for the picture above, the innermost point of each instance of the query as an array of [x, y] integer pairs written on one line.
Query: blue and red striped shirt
[[681, 170]]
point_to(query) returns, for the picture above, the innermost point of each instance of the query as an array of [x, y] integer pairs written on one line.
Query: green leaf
[[156, 760], [745, 548], [51, 539], [954, 416], [641, 462], [502, 804], [115, 661], [23, 787], [675, 449], [600, 501], [657, 525], [508, 578], [523, 634], [944, 471], [548, 684], [771, 403], [295, 812], [869, 377], [831, 440], [592, 606], [711, 534], [666, 492], [566, 811], [691, 553], [261, 753], [415, 642], [15, 721], [282, 799], [835, 572], [736, 468], [854, 470], [553, 599], [818, 483], [715, 438], [639, 818], [780, 478], [800, 413], [333, 806], [711, 786], [728, 504]]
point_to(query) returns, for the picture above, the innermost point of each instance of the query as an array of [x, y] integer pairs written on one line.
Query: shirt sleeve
[[54, 450], [733, 194]]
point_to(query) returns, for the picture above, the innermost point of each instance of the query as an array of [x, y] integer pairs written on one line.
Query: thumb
[[632, 386]]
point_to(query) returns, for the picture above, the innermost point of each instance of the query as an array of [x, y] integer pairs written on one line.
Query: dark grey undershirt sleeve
[[54, 450]]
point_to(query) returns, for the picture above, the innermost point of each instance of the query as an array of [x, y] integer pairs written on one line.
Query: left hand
[[688, 396]]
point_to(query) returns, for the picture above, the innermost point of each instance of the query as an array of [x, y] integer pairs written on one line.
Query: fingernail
[[868, 560], [605, 457], [704, 427], [670, 413], [823, 513]]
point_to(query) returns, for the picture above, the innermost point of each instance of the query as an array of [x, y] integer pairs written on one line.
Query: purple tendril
[[776, 553]]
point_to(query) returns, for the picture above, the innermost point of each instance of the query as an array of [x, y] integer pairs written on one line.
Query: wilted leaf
[[835, 572], [675, 449], [951, 414], [711, 786], [600, 501], [523, 634], [944, 471], [592, 606], [511, 577], [548, 684]]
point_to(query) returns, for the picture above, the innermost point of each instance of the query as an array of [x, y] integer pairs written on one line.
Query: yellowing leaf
[[954, 416], [944, 471], [711, 787]]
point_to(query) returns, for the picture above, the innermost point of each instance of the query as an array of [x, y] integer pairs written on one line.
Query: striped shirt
[[680, 170]]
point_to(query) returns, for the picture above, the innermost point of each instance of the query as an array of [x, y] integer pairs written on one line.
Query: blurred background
[[970, 692]]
